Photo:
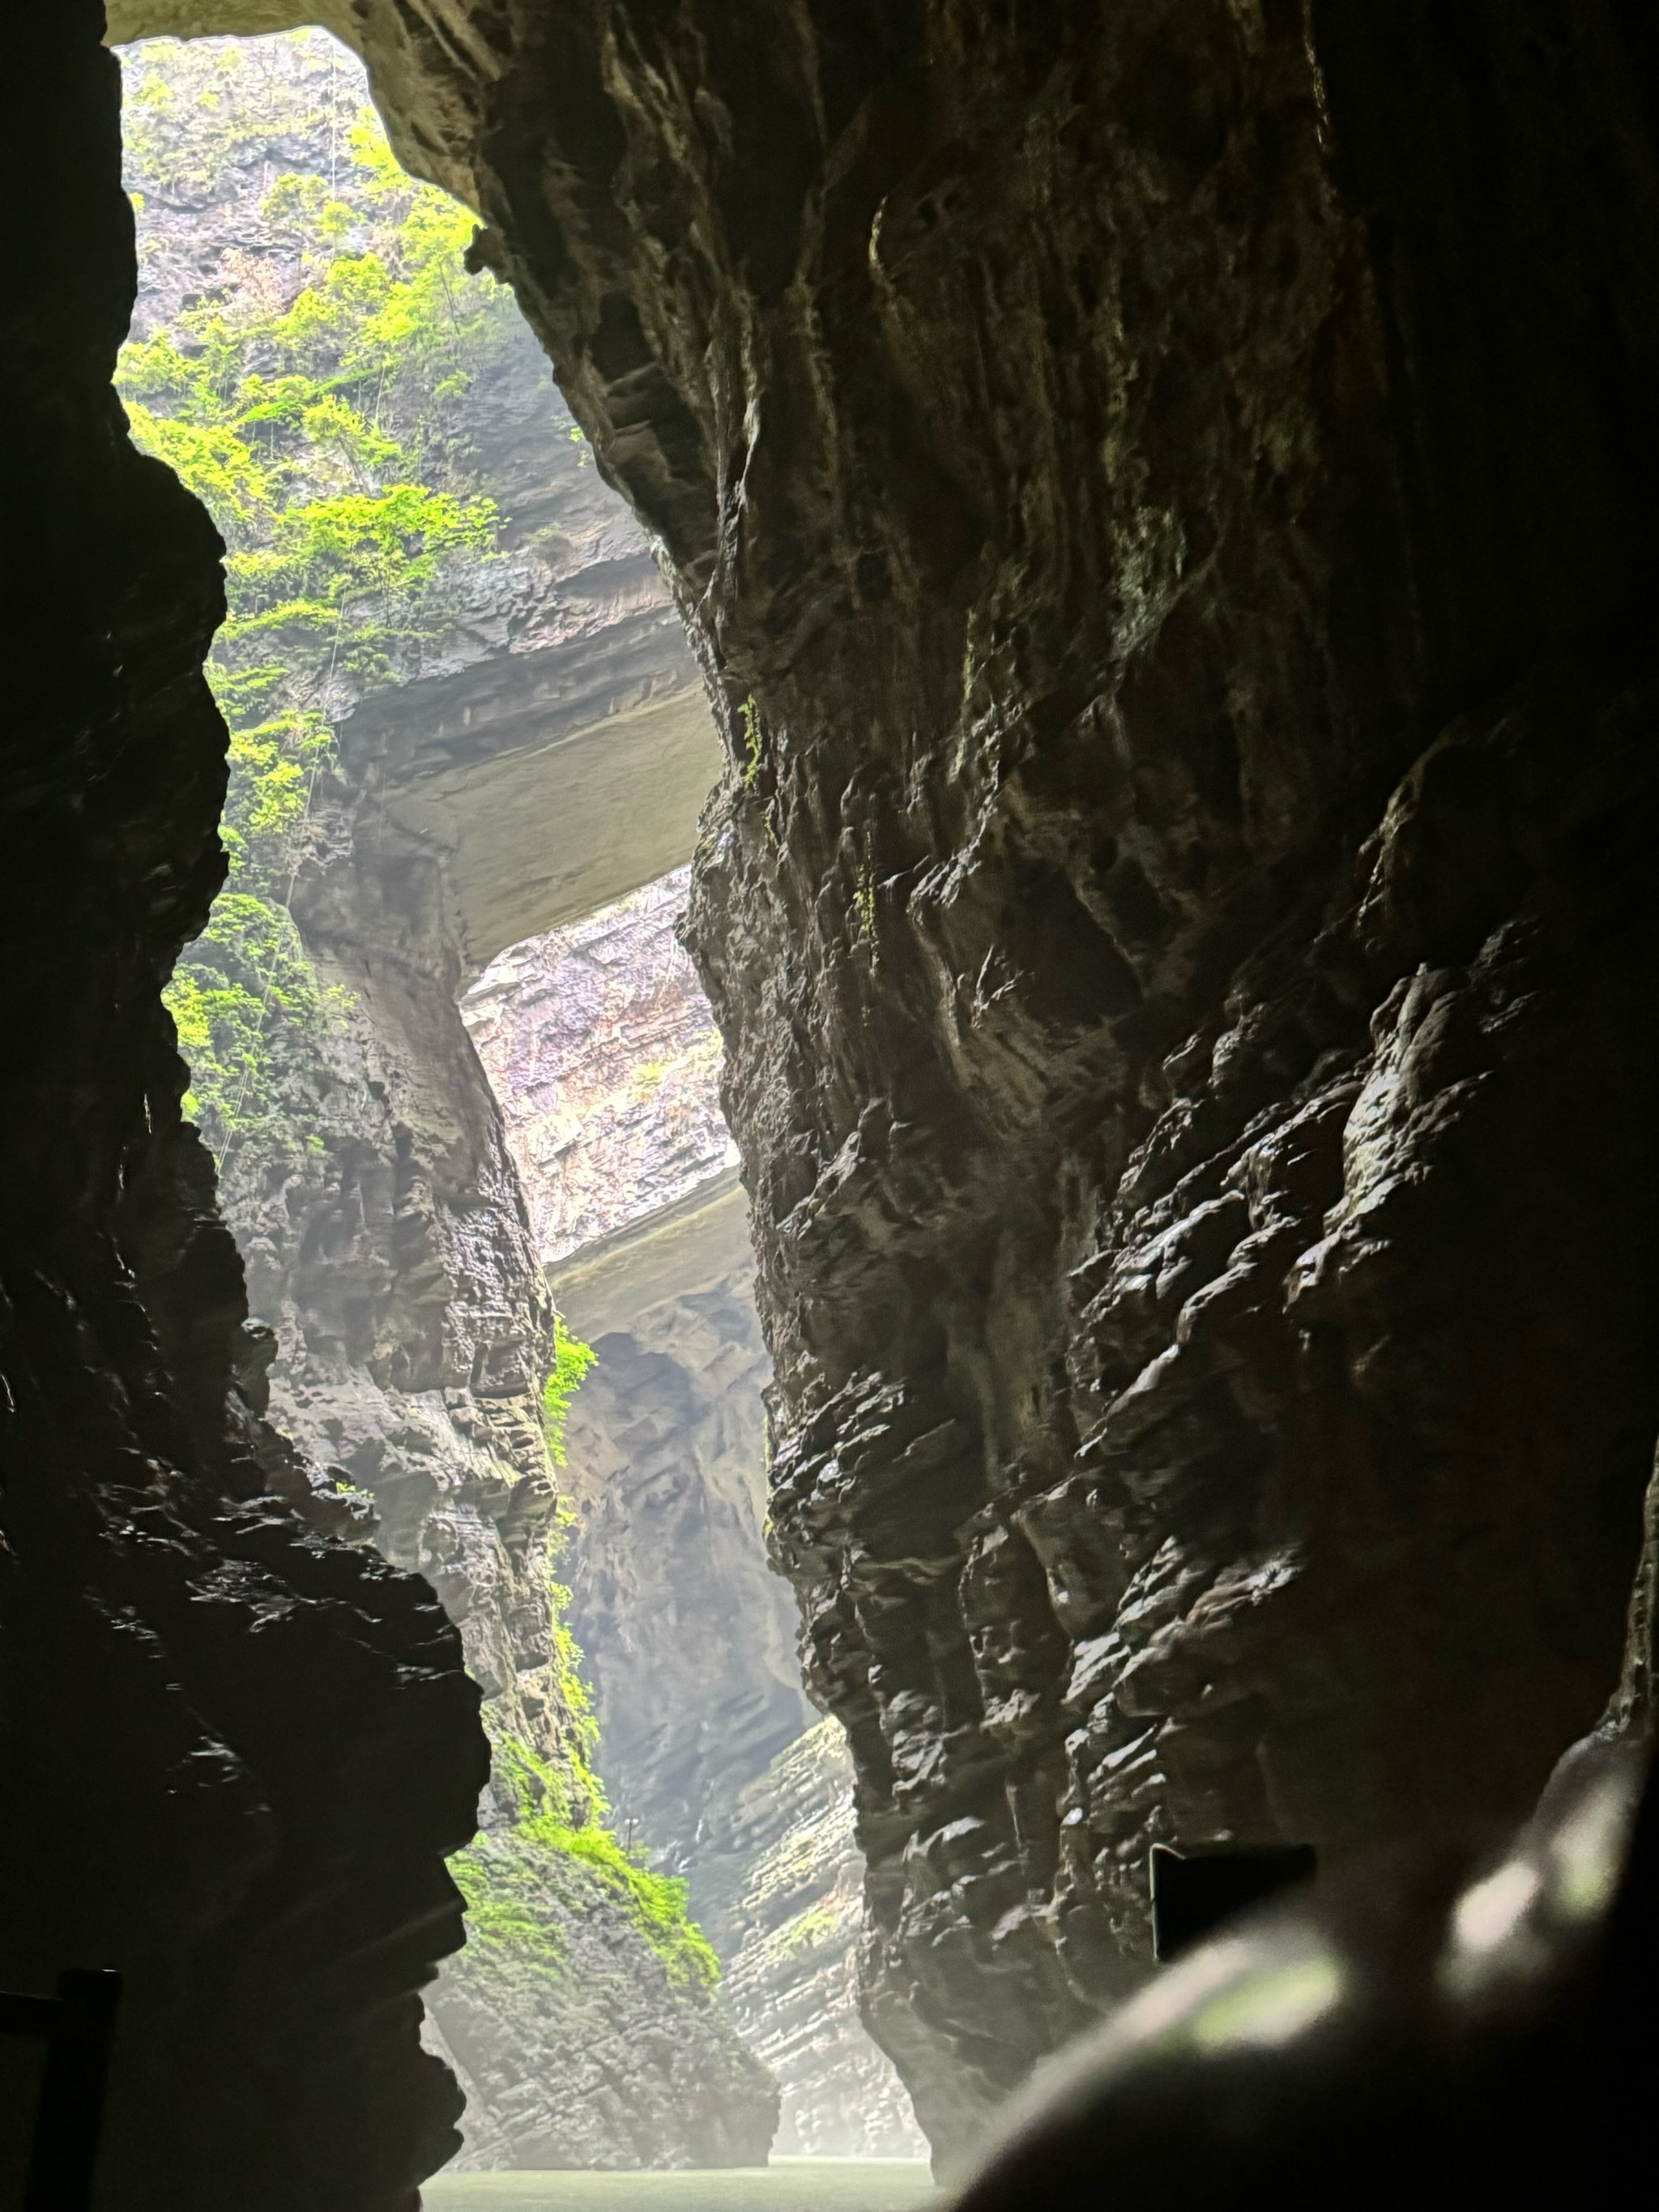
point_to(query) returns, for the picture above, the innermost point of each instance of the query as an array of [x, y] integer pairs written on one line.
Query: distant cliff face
[[600, 1044], [1164, 499], [374, 1198], [778, 1880], [602, 1050]]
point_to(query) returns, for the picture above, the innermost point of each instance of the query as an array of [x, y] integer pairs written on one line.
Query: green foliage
[[507, 1880], [810, 1931], [571, 1360], [748, 712], [306, 396]]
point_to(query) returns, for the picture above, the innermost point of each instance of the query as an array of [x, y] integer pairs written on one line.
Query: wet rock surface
[[1164, 503]]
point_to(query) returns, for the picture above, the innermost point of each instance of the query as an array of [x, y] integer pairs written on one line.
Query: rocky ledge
[[1163, 497]]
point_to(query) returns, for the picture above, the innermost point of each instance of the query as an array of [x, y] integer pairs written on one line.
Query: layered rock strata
[[602, 1050], [407, 1328], [689, 1636], [1163, 500], [600, 1045], [235, 1747], [778, 1882]]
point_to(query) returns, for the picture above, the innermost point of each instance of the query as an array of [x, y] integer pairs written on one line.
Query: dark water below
[[788, 2184]]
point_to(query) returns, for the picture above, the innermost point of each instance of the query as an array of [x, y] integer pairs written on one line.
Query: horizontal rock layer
[[1162, 499], [388, 1254], [778, 1882], [235, 1749]]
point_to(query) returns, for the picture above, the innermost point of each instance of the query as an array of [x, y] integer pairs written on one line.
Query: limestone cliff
[[603, 1053], [602, 1050], [778, 1882], [1163, 499], [378, 1211], [235, 1748]]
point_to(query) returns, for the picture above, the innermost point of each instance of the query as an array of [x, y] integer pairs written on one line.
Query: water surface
[[788, 2184]]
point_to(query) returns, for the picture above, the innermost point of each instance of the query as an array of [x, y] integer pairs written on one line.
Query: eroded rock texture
[[602, 1050], [689, 1636], [1163, 496], [600, 1045], [406, 1326], [778, 1882], [235, 1749]]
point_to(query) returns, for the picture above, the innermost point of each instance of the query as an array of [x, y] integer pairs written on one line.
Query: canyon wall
[[406, 1328], [1162, 499], [602, 1049], [236, 1747]]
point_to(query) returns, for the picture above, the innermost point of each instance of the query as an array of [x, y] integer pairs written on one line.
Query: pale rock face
[[779, 1882], [600, 1044], [604, 1055]]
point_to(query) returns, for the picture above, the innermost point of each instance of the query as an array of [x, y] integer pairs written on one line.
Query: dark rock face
[[235, 1749], [1163, 499]]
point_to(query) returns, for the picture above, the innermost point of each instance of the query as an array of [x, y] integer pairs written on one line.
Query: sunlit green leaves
[[571, 1360], [301, 394]]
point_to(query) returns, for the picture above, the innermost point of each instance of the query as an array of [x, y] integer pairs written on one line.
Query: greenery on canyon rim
[[307, 393], [307, 386]]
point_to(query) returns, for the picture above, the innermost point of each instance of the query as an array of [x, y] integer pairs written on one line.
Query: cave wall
[[1162, 499], [235, 1747]]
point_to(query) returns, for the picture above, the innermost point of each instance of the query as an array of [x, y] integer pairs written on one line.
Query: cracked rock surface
[[236, 1748], [1162, 499]]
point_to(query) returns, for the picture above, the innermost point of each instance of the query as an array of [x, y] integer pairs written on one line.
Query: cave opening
[[1160, 498], [461, 1087]]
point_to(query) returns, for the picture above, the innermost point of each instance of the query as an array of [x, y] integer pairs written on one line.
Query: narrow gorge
[[1103, 559], [448, 607]]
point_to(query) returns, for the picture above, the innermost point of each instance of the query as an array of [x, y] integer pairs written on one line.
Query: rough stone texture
[[1163, 498], [235, 1749], [599, 1043], [689, 1636], [607, 2061], [778, 1883], [388, 1254], [595, 1037]]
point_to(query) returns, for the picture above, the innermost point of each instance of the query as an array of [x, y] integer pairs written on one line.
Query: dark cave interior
[[1161, 503]]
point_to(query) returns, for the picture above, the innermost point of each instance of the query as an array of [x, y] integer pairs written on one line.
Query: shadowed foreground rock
[[1163, 499], [1418, 2039], [1430, 2031], [235, 1749]]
